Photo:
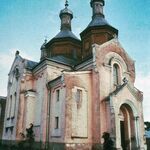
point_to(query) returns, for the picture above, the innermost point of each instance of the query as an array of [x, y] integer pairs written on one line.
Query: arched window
[[116, 74], [17, 74]]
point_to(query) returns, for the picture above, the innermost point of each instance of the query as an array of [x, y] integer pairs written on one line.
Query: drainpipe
[[137, 131], [113, 121], [48, 117]]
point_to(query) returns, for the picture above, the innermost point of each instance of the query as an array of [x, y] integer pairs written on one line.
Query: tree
[[147, 126], [28, 139], [30, 133]]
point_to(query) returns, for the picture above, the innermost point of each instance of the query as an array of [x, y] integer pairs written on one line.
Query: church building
[[78, 90]]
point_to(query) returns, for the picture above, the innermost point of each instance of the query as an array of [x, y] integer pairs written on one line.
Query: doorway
[[127, 127], [122, 131]]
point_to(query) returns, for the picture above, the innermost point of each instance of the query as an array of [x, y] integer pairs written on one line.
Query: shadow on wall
[[148, 143]]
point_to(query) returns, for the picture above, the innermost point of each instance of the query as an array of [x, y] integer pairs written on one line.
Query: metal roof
[[98, 21], [64, 60], [66, 11], [64, 34], [30, 64]]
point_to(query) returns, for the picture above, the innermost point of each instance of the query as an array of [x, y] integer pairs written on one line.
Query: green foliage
[[30, 133], [147, 126]]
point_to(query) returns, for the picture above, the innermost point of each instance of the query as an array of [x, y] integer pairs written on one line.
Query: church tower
[[65, 43], [98, 31]]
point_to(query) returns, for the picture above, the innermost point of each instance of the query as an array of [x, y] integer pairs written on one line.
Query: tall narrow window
[[6, 130], [15, 98], [17, 74], [57, 95], [79, 98], [10, 106], [79, 95], [56, 122], [116, 74], [0, 111], [11, 129]]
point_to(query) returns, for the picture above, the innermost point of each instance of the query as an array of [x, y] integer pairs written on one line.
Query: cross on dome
[[66, 4]]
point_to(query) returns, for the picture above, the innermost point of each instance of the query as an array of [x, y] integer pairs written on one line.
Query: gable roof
[[115, 46], [30, 64]]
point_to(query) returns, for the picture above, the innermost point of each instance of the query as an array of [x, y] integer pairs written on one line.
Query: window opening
[[57, 95], [79, 95], [0, 110], [116, 74], [56, 122], [79, 98], [10, 106]]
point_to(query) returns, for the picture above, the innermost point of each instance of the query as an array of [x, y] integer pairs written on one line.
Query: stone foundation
[[82, 146], [49, 146]]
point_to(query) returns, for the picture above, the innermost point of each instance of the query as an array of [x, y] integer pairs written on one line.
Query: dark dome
[[65, 34], [98, 1], [98, 21], [66, 11]]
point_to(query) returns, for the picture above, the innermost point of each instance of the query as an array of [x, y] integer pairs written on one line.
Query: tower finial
[[97, 6], [66, 4], [66, 16], [45, 39]]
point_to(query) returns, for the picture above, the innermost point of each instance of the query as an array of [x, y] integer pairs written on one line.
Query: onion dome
[[98, 17], [66, 15], [65, 44], [98, 30], [66, 11]]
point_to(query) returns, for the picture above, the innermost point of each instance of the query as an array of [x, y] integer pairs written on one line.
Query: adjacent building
[[79, 89], [2, 114]]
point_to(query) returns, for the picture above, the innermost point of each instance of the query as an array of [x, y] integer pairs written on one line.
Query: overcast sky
[[25, 23]]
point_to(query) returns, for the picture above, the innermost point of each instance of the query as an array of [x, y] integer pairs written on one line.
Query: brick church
[[78, 90]]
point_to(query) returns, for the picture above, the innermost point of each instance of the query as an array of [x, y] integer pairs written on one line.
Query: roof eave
[[99, 27]]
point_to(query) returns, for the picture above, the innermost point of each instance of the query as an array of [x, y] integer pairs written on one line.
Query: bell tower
[[98, 31], [65, 44], [66, 16]]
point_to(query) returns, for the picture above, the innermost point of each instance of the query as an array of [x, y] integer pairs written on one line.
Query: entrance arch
[[128, 130]]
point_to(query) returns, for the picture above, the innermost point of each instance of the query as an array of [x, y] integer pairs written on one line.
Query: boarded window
[[79, 112]]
